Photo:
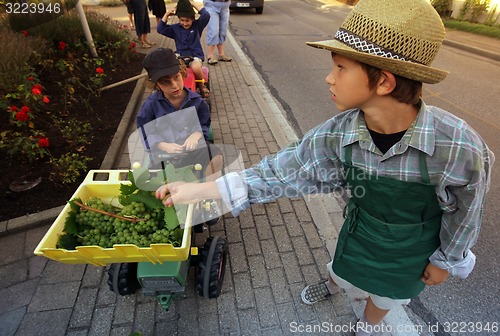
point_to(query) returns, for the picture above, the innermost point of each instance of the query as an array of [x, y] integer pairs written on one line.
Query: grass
[[475, 28]]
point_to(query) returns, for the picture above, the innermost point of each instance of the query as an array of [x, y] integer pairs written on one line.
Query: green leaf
[[67, 241], [70, 225], [171, 220]]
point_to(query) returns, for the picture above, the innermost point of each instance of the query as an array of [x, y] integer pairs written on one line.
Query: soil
[[107, 112]]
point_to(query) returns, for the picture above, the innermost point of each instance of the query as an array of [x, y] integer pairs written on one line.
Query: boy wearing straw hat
[[417, 174]]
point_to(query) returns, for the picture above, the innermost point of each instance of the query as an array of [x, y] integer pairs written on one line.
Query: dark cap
[[184, 9], [161, 62]]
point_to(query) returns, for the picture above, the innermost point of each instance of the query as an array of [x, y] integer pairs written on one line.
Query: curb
[[33, 220], [478, 51]]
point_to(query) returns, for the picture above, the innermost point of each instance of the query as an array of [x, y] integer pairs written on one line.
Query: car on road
[[239, 4]]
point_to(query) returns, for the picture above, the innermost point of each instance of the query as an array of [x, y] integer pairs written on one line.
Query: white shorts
[[381, 302]]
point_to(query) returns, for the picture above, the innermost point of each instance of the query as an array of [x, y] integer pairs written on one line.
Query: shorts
[[381, 302]]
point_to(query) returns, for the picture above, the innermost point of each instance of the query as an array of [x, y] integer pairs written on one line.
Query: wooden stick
[[86, 207]]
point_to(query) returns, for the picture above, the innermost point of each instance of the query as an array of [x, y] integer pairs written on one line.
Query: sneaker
[[212, 61], [225, 58], [315, 293]]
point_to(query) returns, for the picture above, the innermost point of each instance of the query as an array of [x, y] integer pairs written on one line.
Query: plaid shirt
[[458, 160]]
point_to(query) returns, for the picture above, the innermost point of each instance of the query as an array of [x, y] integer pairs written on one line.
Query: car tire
[[259, 10]]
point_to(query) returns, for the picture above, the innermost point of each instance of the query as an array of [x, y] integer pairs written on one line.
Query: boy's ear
[[386, 83]]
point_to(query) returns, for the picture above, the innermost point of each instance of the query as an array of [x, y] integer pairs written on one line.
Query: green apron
[[391, 228]]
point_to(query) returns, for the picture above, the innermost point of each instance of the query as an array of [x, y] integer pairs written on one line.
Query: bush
[[475, 28]]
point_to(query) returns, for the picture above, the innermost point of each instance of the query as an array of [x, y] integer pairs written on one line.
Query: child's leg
[[196, 66], [214, 168]]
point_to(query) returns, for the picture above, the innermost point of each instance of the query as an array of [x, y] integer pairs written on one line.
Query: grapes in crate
[[96, 223]]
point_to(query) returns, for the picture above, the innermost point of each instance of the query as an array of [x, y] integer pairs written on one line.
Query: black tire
[[259, 10], [212, 267], [122, 278]]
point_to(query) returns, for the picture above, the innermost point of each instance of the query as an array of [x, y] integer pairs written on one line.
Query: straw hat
[[400, 36]]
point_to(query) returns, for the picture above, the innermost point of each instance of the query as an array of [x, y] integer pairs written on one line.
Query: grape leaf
[[70, 225], [171, 220], [67, 241]]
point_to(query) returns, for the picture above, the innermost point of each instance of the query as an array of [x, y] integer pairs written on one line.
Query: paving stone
[[246, 219], [9, 322], [292, 269], [242, 286], [233, 231], [263, 227], [282, 239], [144, 319], [292, 225], [258, 209], [258, 271], [16, 296], [33, 238], [44, 298], [237, 256], [249, 322], [14, 273], [36, 266], [228, 317], [302, 251], [312, 235], [101, 321], [166, 328], [93, 276], [9, 248], [56, 272], [125, 309], [121, 330], [105, 296], [274, 214], [83, 308], [209, 324], [279, 286], [188, 318], [301, 210], [52, 322], [266, 307], [271, 254], [285, 206], [287, 316], [252, 246]]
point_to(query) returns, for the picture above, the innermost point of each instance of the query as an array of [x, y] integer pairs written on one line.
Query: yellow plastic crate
[[105, 184]]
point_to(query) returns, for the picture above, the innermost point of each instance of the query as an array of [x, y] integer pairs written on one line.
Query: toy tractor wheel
[[212, 267], [122, 278]]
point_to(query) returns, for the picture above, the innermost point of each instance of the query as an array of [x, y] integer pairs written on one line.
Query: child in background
[[418, 175], [187, 35], [167, 73]]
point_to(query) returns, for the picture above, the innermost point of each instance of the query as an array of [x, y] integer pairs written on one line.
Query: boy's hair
[[407, 90], [182, 70]]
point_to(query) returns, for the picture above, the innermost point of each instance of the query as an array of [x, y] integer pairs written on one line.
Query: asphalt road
[[295, 75]]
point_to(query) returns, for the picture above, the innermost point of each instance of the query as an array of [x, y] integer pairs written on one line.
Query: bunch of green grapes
[[105, 231]]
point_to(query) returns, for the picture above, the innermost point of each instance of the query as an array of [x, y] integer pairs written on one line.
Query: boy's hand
[[434, 275], [186, 193], [171, 148], [192, 141]]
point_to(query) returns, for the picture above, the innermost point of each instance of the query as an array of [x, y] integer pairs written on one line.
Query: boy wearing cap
[[187, 35], [417, 174], [185, 142]]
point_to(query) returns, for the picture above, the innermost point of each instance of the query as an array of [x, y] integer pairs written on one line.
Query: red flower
[[46, 99], [61, 45], [99, 70], [43, 142], [13, 108], [25, 109], [133, 44], [22, 116], [36, 91], [30, 78], [25, 33]]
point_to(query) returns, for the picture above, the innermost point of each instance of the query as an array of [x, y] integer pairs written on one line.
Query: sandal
[[212, 61], [204, 91], [315, 293], [150, 43], [225, 58], [145, 45]]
